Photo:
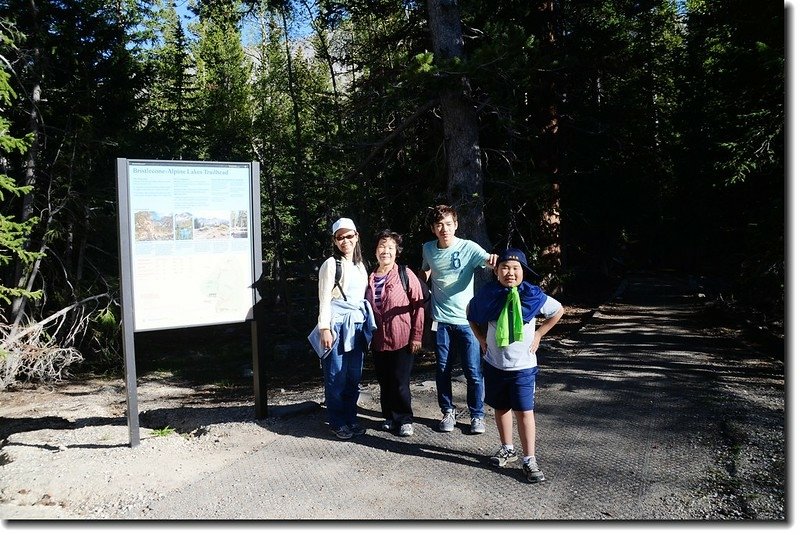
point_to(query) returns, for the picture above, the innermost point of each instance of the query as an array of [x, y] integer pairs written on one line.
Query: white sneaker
[[448, 422], [477, 426], [406, 430]]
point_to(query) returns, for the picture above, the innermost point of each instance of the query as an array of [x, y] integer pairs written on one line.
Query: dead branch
[[16, 334]]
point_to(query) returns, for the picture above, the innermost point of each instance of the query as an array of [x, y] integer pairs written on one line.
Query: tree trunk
[[460, 125], [547, 150], [323, 43], [301, 181], [24, 277]]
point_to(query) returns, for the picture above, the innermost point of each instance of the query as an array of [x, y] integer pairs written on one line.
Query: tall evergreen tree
[[13, 233], [731, 166], [76, 77], [223, 80], [171, 127], [76, 71]]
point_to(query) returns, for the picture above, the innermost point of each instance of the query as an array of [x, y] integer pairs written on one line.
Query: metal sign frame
[[128, 277]]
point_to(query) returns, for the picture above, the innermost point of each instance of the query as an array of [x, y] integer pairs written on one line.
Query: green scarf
[[510, 316]]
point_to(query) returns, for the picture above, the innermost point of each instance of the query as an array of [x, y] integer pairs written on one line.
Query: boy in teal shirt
[[449, 263]]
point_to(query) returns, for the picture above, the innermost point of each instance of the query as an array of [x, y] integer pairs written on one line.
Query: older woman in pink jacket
[[399, 315]]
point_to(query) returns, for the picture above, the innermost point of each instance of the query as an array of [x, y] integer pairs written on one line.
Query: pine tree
[[171, 129], [223, 82], [14, 235]]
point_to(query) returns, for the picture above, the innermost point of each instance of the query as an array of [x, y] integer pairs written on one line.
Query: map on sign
[[190, 240]]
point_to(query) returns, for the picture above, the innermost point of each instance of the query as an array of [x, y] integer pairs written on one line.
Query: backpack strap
[[401, 271], [338, 278]]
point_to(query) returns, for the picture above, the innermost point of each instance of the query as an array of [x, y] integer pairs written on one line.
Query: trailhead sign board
[[191, 255], [190, 245]]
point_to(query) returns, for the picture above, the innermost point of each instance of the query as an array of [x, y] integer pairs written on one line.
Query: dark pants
[[393, 369]]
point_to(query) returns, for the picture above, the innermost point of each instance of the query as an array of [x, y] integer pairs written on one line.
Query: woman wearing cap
[[503, 317], [345, 328]]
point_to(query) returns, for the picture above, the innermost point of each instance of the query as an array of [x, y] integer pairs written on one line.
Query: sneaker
[[406, 430], [532, 472], [356, 429], [342, 432], [503, 456], [387, 425], [476, 426], [448, 422]]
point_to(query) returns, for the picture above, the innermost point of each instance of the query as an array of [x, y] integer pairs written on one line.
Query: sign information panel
[[191, 234]]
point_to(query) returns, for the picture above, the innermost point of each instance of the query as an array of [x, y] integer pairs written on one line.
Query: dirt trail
[[648, 412]]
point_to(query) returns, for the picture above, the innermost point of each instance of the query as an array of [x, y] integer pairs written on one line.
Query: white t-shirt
[[354, 284], [517, 355]]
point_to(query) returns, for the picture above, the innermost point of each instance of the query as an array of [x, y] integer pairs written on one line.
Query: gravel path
[[647, 413]]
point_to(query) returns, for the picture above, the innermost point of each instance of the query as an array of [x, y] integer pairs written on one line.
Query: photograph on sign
[[191, 254]]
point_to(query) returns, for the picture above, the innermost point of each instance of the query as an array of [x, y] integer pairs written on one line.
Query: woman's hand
[[415, 347], [327, 339]]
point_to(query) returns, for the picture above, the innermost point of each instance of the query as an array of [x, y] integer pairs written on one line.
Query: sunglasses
[[344, 237]]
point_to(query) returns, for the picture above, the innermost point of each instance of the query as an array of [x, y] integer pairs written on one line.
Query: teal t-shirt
[[452, 275]]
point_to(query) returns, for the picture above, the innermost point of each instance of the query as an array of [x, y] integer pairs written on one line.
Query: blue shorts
[[509, 389]]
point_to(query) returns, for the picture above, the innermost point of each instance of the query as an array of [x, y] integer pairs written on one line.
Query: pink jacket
[[401, 317]]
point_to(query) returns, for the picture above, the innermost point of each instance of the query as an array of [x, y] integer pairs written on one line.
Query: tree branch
[[17, 334], [388, 139]]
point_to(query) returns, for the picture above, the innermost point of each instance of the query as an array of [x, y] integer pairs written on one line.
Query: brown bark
[[547, 151], [460, 125]]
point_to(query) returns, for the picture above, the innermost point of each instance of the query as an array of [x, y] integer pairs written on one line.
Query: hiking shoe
[[342, 432], [532, 472], [503, 456], [448, 422], [356, 429], [476, 426], [387, 425], [406, 430]]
